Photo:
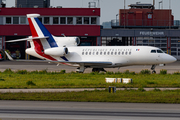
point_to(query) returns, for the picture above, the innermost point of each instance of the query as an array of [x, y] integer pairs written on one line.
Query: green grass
[[130, 96], [43, 79]]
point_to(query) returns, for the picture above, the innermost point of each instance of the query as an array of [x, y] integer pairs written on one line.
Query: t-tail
[[39, 30]]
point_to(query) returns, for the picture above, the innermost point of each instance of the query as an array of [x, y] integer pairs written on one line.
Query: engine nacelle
[[57, 51], [68, 41]]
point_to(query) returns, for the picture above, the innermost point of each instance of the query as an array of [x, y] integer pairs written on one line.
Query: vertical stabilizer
[[39, 30]]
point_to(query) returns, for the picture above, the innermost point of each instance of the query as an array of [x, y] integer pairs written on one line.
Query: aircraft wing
[[86, 63]]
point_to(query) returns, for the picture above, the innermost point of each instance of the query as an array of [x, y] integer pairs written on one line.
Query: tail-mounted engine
[[57, 51], [68, 41]]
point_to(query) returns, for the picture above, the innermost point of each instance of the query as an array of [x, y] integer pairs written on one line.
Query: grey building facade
[[32, 3], [166, 39]]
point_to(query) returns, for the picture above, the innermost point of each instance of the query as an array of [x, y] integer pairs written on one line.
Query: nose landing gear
[[153, 69]]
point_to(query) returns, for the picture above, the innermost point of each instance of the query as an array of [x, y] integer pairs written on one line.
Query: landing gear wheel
[[153, 69], [98, 70], [95, 70], [153, 72]]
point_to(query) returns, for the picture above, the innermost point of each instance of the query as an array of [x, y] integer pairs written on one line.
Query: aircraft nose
[[170, 59]]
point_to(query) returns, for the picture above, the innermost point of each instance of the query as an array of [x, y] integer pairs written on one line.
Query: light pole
[[169, 14], [116, 19], [159, 4], [124, 12]]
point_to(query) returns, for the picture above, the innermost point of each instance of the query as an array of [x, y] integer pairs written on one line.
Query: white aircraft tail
[[39, 30]]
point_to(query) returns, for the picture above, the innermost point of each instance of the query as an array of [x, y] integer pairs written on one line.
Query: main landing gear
[[98, 70], [153, 68], [80, 69]]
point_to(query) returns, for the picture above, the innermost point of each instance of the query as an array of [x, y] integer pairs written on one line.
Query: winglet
[[9, 57]]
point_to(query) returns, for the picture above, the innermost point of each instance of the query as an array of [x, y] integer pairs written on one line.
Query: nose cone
[[169, 59]]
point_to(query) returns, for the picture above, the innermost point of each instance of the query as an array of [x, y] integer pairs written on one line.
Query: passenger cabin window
[[153, 51]]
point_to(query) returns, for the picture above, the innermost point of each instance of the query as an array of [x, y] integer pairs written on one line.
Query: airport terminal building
[[140, 25]]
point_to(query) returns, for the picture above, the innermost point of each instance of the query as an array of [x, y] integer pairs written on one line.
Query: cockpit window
[[160, 51], [153, 51]]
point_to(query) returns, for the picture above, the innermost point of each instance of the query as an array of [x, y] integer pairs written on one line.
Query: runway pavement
[[45, 110], [73, 90], [31, 66]]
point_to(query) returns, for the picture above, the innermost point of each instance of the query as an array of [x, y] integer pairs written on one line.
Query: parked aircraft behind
[[65, 50]]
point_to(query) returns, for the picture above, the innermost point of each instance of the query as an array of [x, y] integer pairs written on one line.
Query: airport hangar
[[141, 25]]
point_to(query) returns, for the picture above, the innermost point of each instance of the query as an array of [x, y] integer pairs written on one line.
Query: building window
[[1, 20], [86, 20], [100, 53], [55, 20], [46, 20], [86, 53], [96, 53], [89, 53], [122, 53], [93, 20], [40, 19], [63, 20], [15, 20], [119, 53], [79, 20], [82, 53], [104, 53], [69, 20], [115, 53], [8, 20], [22, 20]]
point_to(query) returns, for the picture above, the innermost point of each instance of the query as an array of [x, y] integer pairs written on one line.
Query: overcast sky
[[109, 8]]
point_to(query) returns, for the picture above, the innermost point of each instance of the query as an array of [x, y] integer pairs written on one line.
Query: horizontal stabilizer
[[24, 39]]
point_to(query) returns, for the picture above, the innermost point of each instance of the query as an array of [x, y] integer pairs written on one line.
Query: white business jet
[[65, 50]]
